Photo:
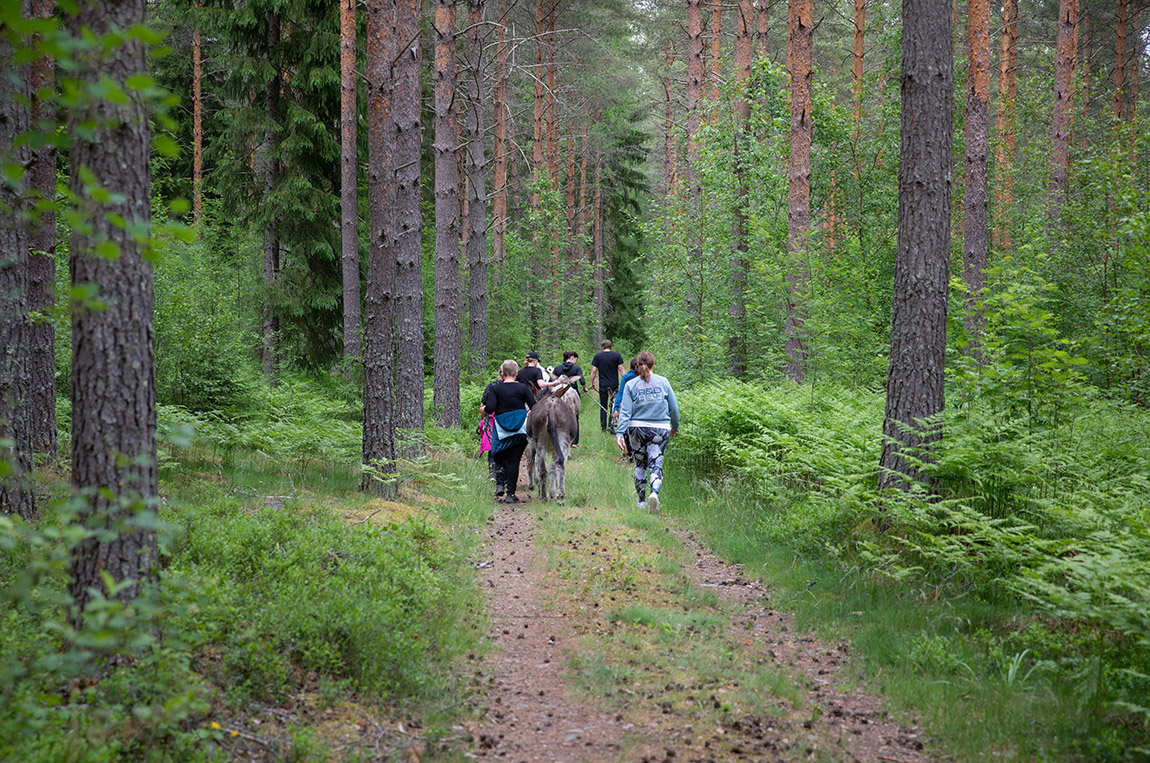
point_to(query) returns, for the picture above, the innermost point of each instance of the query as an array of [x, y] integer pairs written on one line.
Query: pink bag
[[485, 433]]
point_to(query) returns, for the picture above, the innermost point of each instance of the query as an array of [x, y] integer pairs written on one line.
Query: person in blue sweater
[[619, 398], [648, 417]]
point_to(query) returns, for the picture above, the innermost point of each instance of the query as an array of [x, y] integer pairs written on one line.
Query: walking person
[[619, 399], [531, 374], [648, 417], [508, 401], [606, 368], [570, 368]]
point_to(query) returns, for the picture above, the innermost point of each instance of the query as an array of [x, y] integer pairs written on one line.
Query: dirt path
[[619, 637]]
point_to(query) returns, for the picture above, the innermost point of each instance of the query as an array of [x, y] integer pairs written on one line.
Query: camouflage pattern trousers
[[647, 447]]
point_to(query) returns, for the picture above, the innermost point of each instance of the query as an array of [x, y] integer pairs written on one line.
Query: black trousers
[[606, 400], [507, 466]]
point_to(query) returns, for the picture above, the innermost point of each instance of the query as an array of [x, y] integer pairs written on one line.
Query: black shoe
[[511, 499], [500, 491]]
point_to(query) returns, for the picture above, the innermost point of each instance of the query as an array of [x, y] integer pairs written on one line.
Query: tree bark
[[271, 178], [406, 106], [1060, 118], [800, 42], [1121, 18], [918, 336], [500, 146], [16, 490], [737, 311], [716, 48], [349, 209], [976, 135], [379, 357], [670, 154], [447, 341], [113, 360], [197, 121], [597, 295], [477, 188], [857, 69], [42, 258], [1007, 98], [762, 20]]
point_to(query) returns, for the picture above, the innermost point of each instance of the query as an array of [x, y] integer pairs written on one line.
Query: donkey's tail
[[553, 430]]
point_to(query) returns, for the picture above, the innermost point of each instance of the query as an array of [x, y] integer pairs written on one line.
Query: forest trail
[[619, 636]]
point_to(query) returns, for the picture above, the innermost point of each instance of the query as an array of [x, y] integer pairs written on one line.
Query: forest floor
[[617, 635]]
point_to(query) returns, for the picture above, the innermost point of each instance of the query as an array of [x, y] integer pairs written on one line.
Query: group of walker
[[639, 406]]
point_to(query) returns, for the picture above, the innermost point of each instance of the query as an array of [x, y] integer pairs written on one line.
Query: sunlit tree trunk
[[914, 388], [1007, 98], [16, 491], [409, 229], [271, 178], [379, 298], [976, 135], [42, 259], [800, 40], [857, 70], [445, 380], [477, 193], [1060, 117], [113, 348], [349, 223]]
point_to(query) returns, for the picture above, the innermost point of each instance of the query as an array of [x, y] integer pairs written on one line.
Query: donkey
[[550, 431]]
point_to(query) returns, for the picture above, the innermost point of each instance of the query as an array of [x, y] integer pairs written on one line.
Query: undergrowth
[[1024, 573], [268, 597]]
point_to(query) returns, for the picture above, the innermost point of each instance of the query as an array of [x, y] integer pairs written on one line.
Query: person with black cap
[[531, 374]]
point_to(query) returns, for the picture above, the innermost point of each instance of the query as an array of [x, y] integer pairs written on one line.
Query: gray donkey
[[550, 431]]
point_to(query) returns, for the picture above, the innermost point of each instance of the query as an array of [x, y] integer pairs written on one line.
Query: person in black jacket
[[508, 401]]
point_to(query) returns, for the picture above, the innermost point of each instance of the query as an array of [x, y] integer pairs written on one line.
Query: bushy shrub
[[202, 357]]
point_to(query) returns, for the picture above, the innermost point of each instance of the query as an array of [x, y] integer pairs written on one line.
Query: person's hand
[[619, 442], [674, 432]]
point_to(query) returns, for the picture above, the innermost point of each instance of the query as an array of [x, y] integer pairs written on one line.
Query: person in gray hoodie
[[648, 417]]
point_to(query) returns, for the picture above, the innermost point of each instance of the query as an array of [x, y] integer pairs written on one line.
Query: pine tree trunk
[[379, 357], [42, 259], [762, 19], [716, 48], [800, 40], [349, 209], [271, 178], [16, 490], [857, 70], [914, 385], [197, 121], [737, 311], [695, 85], [447, 340], [1060, 118], [113, 360], [406, 106], [670, 155], [1007, 98], [500, 146], [976, 135], [1120, 22], [597, 295], [477, 193]]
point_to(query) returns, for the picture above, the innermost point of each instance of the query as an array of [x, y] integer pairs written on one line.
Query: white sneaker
[[642, 505], [653, 503]]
